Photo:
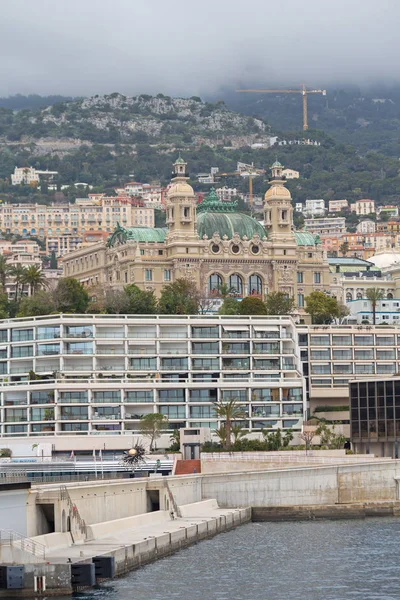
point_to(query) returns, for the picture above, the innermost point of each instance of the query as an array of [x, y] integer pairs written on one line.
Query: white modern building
[[314, 208], [89, 375], [387, 311], [29, 175], [338, 205], [326, 225], [366, 227]]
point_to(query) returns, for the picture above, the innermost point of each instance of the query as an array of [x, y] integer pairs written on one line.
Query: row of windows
[[15, 415], [87, 331]]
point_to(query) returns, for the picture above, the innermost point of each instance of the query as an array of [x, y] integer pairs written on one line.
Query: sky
[[192, 47]]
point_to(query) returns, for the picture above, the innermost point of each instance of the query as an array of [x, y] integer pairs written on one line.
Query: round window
[[235, 249], [215, 248], [255, 249]]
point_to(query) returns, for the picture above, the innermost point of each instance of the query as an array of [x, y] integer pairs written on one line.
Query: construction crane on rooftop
[[303, 91], [251, 172]]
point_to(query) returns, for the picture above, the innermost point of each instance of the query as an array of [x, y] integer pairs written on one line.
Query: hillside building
[[31, 176], [210, 244], [63, 225], [338, 205], [314, 208], [363, 207], [290, 174], [366, 226], [326, 225]]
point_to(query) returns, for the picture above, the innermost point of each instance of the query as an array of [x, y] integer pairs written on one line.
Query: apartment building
[[99, 374], [63, 225], [326, 225], [338, 205], [332, 355], [151, 194], [366, 226], [389, 210], [364, 206], [226, 194], [387, 310], [314, 208], [290, 174]]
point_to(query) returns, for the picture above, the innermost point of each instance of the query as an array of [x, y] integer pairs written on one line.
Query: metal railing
[[8, 537]]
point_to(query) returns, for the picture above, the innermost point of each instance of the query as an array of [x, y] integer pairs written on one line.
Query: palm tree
[[4, 269], [238, 433], [374, 295], [224, 291], [228, 412], [35, 278], [18, 274]]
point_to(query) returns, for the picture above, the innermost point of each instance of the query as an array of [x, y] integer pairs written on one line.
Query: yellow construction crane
[[251, 174], [303, 91]]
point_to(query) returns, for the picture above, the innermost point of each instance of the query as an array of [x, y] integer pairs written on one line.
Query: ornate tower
[[278, 211], [181, 205], [278, 221]]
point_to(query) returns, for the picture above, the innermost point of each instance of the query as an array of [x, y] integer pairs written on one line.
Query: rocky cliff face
[[160, 120]]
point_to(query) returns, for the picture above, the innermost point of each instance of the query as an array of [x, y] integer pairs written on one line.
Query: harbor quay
[[71, 543]]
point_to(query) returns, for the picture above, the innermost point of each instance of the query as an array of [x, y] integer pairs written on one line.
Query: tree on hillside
[[18, 275], [278, 303], [344, 248], [374, 295], [322, 308], [34, 278], [71, 296], [179, 298], [5, 269], [251, 305], [41, 303], [228, 412], [151, 427], [4, 305]]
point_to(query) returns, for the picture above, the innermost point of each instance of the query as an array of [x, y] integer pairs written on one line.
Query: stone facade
[[212, 245]]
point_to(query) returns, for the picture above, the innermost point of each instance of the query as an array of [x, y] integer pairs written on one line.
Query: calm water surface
[[320, 560]]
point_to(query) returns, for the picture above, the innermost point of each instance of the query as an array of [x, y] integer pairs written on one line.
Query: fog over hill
[[77, 48]]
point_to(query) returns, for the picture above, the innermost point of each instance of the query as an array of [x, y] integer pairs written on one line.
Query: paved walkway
[[128, 537]]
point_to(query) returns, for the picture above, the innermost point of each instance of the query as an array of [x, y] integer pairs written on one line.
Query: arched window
[[214, 283], [255, 285], [389, 296], [359, 295], [349, 297], [236, 284], [33, 231]]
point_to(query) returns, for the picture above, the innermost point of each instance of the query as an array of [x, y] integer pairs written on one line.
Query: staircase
[[75, 517], [187, 467], [14, 540], [172, 500]]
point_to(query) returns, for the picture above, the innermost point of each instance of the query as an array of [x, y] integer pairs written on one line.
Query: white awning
[[266, 328], [235, 328]]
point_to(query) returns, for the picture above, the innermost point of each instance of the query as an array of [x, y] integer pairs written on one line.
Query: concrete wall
[[13, 512], [305, 486]]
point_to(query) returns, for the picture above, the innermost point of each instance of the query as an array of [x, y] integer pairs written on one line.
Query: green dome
[[228, 224], [122, 235]]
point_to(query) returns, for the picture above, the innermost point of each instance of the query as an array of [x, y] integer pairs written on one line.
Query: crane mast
[[303, 91]]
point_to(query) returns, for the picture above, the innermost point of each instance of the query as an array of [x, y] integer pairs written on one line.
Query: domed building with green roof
[[212, 244]]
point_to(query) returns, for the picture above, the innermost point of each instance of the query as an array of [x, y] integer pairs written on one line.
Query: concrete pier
[[132, 541]]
